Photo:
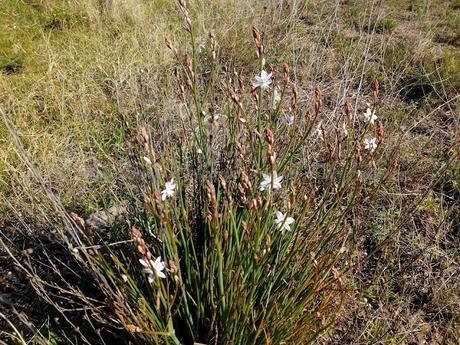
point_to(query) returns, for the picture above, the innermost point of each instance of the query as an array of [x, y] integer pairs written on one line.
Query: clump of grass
[[12, 63], [60, 18], [383, 25]]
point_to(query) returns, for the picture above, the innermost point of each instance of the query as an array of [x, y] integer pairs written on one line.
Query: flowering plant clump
[[252, 226]]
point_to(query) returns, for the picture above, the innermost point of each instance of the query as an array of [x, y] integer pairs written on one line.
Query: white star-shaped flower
[[370, 144], [263, 81], [270, 181], [153, 268], [169, 190], [283, 221], [369, 116]]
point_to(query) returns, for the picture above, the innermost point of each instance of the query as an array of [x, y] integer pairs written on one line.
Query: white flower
[[370, 144], [319, 130], [369, 116], [288, 119], [344, 129], [263, 81], [147, 160], [276, 97], [270, 181], [212, 118], [151, 267], [170, 187], [283, 221]]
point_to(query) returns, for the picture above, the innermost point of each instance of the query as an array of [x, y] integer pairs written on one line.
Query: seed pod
[[292, 192], [212, 36], [358, 156], [269, 136], [144, 140], [147, 199], [235, 98], [286, 74], [256, 35], [379, 132], [266, 117], [318, 101], [260, 201], [224, 238], [268, 240], [133, 329], [247, 184], [158, 204], [372, 164], [211, 192], [376, 90], [172, 267], [158, 301], [189, 84], [135, 233], [307, 118], [189, 63], [222, 182], [242, 193], [294, 99], [347, 110]]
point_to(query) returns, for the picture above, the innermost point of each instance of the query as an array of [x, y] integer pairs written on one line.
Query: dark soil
[[18, 298]]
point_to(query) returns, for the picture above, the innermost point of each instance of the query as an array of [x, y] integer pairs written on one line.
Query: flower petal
[[150, 278]]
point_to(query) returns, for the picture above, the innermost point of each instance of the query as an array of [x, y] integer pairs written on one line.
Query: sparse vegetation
[[128, 133]]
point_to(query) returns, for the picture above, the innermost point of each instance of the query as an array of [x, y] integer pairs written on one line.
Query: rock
[[103, 219]]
